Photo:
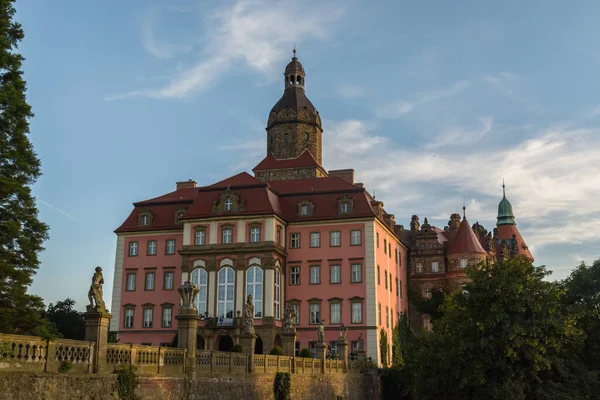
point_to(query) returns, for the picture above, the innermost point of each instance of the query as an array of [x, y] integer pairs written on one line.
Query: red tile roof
[[313, 185], [178, 196], [506, 232], [240, 180], [163, 218], [465, 240], [257, 201], [305, 159]]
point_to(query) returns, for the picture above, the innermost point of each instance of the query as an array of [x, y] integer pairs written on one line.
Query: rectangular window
[[387, 317], [130, 282], [315, 313], [149, 284], [279, 235], [167, 314], [400, 288], [385, 246], [129, 318], [151, 247], [335, 272], [296, 308], [463, 263], [378, 275], [397, 293], [392, 318], [200, 237], [335, 313], [227, 235], [385, 277], [178, 216], [255, 234], [315, 239], [377, 236], [148, 317], [357, 313], [344, 207], [133, 248], [315, 274], [355, 238], [169, 278], [295, 241], [170, 246], [294, 275], [356, 273], [304, 210], [379, 313], [144, 220], [390, 250], [435, 266], [419, 268], [335, 239]]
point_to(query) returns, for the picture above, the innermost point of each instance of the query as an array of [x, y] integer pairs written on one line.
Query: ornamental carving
[[287, 115], [229, 201], [188, 293], [306, 208]]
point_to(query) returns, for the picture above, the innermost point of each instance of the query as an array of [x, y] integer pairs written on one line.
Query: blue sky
[[432, 103]]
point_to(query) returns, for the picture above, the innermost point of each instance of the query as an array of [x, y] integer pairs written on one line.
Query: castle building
[[294, 233]]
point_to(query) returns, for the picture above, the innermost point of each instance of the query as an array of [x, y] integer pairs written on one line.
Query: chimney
[[345, 174], [360, 185], [189, 184]]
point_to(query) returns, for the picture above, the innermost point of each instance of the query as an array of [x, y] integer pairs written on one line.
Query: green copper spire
[[505, 211]]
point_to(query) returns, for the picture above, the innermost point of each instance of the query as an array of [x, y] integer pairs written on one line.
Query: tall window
[[199, 278], [435, 266], [200, 237], [356, 273], [144, 219], [379, 313], [315, 313], [277, 294], [385, 277], [294, 275], [278, 237], [315, 274], [130, 281], [227, 235], [344, 207], [377, 237], [228, 204], [225, 292], [255, 234], [170, 246], [335, 239], [148, 317], [419, 267], [355, 238], [378, 275], [397, 293], [357, 313], [169, 278], [151, 247], [335, 274], [304, 210], [128, 318], [463, 263], [387, 317], [335, 313], [178, 216], [385, 246], [149, 281], [133, 248], [167, 314], [254, 286], [295, 241], [296, 308], [315, 239]]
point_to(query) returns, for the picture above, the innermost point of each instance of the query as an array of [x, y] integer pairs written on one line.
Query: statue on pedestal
[[95, 292], [321, 333], [249, 315], [188, 293], [360, 342], [343, 331], [289, 314]]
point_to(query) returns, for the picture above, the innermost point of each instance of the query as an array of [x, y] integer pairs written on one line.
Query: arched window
[[254, 286], [225, 292], [277, 295], [199, 278], [228, 204]]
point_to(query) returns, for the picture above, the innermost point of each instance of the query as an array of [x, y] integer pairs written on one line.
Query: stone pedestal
[[360, 355], [248, 342], [342, 345], [288, 341], [187, 327], [322, 355], [96, 330]]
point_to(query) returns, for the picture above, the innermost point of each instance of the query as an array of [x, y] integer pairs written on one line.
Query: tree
[[402, 337], [383, 347], [22, 234], [506, 336], [68, 321]]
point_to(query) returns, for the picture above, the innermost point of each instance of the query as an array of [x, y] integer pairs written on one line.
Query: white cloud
[[402, 107], [254, 33]]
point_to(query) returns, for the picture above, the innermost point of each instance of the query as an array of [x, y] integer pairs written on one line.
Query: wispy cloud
[[154, 45], [460, 136], [255, 33], [66, 214], [403, 107]]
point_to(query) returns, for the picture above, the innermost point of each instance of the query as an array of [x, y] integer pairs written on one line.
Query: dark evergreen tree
[[22, 234], [68, 322]]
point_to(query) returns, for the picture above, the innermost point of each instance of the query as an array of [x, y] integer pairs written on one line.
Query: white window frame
[[315, 313], [148, 317], [294, 240], [144, 219], [150, 281], [315, 277], [228, 204], [131, 282], [254, 286], [315, 239], [463, 263], [151, 247], [357, 317], [167, 322], [133, 248], [226, 286], [296, 308], [170, 247], [129, 314], [169, 283], [356, 237], [295, 275], [304, 210], [419, 268], [335, 238], [227, 235], [344, 207], [335, 313], [277, 294], [200, 237], [255, 234], [199, 277], [356, 273], [335, 273], [435, 266]]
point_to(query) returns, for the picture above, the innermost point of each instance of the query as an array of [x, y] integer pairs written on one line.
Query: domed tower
[[294, 124], [509, 242]]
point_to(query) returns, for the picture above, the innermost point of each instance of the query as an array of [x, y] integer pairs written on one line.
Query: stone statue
[[95, 292], [321, 336], [343, 331], [188, 293], [289, 314], [249, 315], [360, 342]]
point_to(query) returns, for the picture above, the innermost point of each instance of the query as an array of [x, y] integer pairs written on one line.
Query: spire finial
[[464, 213], [503, 188], [294, 51]]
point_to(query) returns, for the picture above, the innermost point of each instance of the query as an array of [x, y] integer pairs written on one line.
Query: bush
[[306, 353], [65, 366], [127, 382], [276, 351], [282, 386], [394, 383], [237, 348]]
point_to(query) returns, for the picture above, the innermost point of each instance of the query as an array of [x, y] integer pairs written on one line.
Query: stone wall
[[51, 386]]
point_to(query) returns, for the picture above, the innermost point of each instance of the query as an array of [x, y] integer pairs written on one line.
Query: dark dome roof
[[294, 66], [294, 98]]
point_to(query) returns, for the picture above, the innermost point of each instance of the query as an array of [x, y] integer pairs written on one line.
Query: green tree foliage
[[402, 337], [68, 321], [306, 353], [276, 351], [383, 347], [506, 336], [431, 306], [21, 233]]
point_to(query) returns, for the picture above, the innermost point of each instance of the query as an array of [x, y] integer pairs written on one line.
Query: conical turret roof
[[465, 241]]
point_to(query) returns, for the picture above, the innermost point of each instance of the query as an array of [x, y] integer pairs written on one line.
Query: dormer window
[[228, 204], [178, 216], [304, 210], [144, 219], [344, 207]]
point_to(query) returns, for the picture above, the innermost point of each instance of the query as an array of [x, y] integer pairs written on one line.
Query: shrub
[[65, 366], [237, 348], [276, 351], [127, 382], [282, 386], [394, 383], [306, 353]]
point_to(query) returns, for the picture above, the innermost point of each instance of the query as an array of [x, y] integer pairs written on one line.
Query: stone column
[[342, 345], [187, 329], [360, 355], [248, 341], [322, 355], [288, 341], [96, 330]]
